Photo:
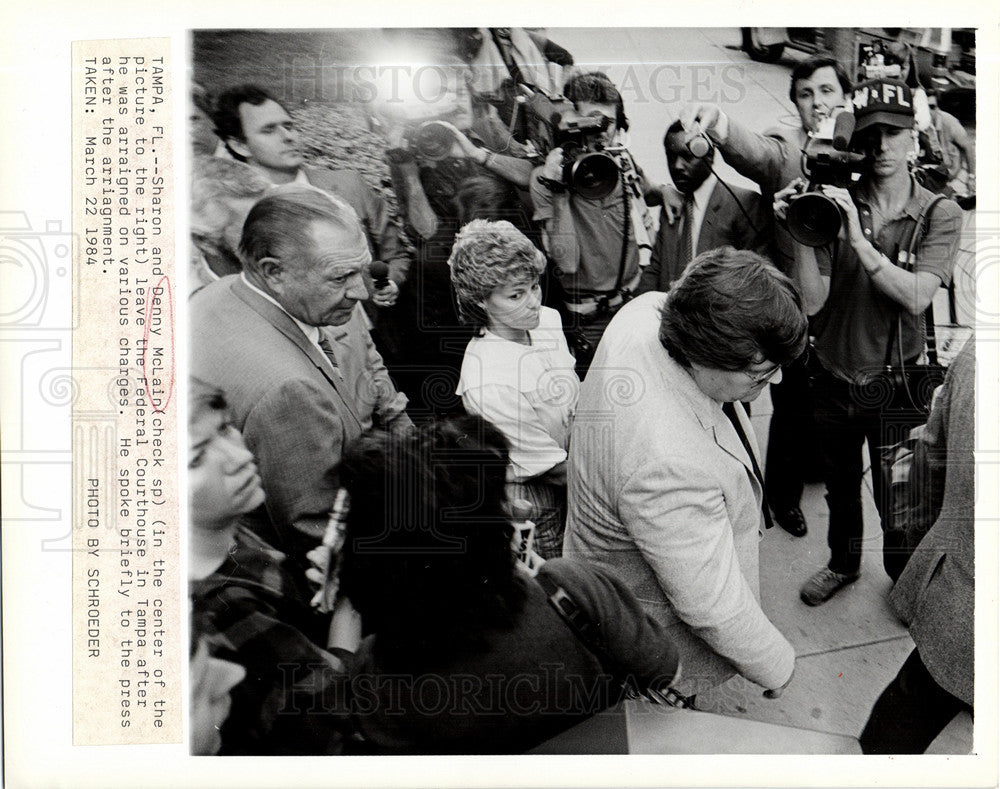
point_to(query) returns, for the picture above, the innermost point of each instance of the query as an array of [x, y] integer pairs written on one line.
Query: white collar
[[703, 193], [311, 332]]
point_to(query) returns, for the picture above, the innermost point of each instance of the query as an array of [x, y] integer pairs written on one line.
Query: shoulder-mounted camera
[[813, 218], [589, 167]]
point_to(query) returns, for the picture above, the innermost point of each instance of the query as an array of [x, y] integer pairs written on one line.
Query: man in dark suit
[[286, 343], [714, 215]]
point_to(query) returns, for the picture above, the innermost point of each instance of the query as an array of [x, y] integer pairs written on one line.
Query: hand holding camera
[[814, 218], [707, 120], [429, 141], [552, 169], [461, 146], [784, 197], [848, 211]]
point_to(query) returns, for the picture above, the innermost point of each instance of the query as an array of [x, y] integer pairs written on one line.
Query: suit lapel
[[710, 415], [727, 438], [281, 321], [708, 237]]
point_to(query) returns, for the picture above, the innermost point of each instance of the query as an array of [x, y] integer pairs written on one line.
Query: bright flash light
[[410, 89]]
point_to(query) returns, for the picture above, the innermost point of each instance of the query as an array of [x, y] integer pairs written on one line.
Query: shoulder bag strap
[[583, 627], [896, 334]]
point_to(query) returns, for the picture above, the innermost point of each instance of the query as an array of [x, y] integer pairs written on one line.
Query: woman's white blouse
[[528, 391]]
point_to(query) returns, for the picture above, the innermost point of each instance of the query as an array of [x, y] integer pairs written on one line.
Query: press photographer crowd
[[473, 461]]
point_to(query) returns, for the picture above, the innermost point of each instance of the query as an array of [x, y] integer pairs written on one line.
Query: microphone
[[843, 129], [333, 542], [380, 274]]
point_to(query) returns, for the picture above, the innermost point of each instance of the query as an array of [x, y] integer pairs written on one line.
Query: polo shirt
[[853, 328], [598, 226]]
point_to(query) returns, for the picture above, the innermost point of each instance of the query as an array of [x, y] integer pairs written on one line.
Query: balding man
[[286, 343]]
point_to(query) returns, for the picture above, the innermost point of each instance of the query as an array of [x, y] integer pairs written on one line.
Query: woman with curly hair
[[517, 371]]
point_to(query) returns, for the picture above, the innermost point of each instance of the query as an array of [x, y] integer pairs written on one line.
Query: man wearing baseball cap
[[870, 303]]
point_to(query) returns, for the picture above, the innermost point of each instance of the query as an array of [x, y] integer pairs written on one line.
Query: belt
[[590, 303]]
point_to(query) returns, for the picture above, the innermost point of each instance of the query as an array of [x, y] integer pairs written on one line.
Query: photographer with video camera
[[853, 230], [589, 195]]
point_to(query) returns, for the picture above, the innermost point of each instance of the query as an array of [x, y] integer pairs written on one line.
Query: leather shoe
[[825, 584], [793, 521]]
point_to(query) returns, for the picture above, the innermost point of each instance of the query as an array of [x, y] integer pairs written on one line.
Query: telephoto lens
[[433, 140], [591, 175], [813, 219]]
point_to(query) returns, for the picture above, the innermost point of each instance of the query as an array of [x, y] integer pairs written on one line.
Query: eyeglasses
[[762, 377]]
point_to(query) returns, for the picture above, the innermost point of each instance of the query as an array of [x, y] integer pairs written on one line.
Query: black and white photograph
[[606, 398], [582, 391]]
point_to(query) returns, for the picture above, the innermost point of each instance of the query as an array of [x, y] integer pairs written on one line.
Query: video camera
[[813, 218], [589, 167]]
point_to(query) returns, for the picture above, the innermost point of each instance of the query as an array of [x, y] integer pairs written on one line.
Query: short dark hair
[[807, 68], [281, 220], [428, 561], [730, 308], [674, 128], [485, 196], [226, 116], [202, 397], [597, 88]]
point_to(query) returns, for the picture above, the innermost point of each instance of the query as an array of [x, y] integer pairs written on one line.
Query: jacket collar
[[284, 323], [709, 412]]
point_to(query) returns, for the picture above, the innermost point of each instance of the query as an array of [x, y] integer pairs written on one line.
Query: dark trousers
[[847, 415], [910, 713], [790, 439]]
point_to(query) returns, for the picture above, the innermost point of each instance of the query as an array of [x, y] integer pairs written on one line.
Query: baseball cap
[[885, 101]]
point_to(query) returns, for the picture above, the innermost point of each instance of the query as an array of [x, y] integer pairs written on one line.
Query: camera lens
[[593, 175], [433, 140], [813, 219]]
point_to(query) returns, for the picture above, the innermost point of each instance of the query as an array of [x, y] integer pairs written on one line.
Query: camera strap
[[589, 634], [896, 332], [626, 221]]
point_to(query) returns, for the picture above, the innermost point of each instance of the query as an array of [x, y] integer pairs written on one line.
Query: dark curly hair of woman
[[428, 561]]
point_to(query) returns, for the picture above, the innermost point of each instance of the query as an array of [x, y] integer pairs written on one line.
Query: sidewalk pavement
[[851, 647]]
